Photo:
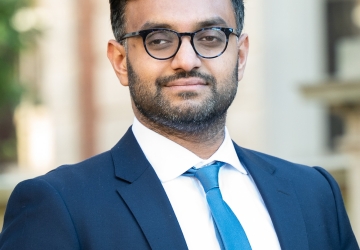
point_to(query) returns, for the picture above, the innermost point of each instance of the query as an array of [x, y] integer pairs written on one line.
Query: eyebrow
[[216, 21], [211, 22], [155, 25]]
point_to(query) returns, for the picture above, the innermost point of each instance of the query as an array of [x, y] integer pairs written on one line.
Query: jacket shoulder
[[98, 166], [282, 167]]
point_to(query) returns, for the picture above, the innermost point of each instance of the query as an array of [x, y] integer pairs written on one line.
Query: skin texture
[[185, 85]]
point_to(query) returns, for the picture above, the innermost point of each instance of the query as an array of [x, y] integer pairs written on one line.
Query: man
[[182, 61]]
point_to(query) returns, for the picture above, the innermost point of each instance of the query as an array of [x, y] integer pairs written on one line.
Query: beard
[[189, 117]]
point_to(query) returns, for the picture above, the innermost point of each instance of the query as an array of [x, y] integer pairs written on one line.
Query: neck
[[203, 143]]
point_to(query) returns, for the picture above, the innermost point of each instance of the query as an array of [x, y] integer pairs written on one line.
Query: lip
[[186, 82]]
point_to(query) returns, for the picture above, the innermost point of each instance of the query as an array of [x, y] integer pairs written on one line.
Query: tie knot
[[208, 175]]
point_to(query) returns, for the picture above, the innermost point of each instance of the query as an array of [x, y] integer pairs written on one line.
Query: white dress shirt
[[187, 197]]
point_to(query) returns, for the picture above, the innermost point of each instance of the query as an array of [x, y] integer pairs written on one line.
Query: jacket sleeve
[[346, 236], [36, 217]]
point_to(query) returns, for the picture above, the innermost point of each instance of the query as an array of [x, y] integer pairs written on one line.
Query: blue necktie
[[228, 229]]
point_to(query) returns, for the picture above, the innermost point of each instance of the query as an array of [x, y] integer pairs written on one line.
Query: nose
[[186, 57]]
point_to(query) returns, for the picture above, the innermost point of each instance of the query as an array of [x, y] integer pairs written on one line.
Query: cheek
[[224, 69], [138, 56], [141, 65], [148, 68]]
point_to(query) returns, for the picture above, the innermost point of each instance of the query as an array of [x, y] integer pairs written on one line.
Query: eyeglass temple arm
[[136, 33]]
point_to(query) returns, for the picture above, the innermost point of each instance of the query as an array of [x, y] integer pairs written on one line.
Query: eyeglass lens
[[164, 43]]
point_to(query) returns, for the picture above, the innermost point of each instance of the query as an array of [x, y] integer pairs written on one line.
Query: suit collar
[[129, 160], [279, 197], [185, 159], [142, 191]]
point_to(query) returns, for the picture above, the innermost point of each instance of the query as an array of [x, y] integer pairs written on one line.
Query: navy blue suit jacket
[[116, 201]]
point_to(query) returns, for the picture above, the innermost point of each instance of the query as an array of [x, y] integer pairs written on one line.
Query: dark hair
[[117, 16]]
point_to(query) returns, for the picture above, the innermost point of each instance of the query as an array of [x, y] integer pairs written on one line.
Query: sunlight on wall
[[356, 15], [35, 138]]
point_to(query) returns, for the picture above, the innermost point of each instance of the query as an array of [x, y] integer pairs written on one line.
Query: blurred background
[[60, 101]]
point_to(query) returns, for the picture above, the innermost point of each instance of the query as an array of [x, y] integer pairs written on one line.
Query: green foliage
[[11, 42]]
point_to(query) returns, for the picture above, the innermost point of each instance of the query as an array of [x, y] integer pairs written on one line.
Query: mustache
[[162, 81]]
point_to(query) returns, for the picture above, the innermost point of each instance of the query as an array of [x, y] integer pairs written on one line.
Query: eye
[[209, 39], [157, 41], [160, 40]]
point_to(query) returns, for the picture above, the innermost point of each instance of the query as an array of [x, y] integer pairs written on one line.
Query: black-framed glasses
[[163, 44]]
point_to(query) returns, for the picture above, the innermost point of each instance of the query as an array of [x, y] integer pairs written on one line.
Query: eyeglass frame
[[145, 33]]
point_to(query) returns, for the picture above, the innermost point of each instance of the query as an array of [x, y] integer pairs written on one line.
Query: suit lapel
[[145, 196], [143, 193], [280, 200]]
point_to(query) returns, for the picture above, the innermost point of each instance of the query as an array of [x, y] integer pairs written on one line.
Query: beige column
[[344, 99], [350, 146], [86, 77]]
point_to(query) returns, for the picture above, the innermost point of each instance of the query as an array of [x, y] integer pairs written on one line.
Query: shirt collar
[[171, 160]]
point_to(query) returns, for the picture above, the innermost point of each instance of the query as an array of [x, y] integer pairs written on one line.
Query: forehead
[[180, 15]]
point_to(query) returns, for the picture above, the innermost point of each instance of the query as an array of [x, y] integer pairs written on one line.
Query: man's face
[[185, 91]]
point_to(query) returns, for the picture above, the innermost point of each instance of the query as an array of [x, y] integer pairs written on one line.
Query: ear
[[243, 47], [117, 57]]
